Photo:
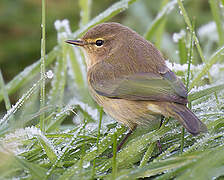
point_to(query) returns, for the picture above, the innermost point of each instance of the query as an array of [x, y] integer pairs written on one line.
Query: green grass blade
[[98, 139], [188, 22], [19, 103], [161, 28], [113, 10], [173, 173], [218, 20], [132, 152], [210, 165], [180, 39], [85, 12], [8, 165], [159, 20], [156, 168], [167, 153], [114, 162], [58, 117], [189, 58], [182, 50], [103, 145], [217, 56], [48, 148], [28, 73], [42, 66], [207, 91], [59, 81], [191, 28], [62, 154], [4, 92], [35, 170], [77, 68], [147, 154]]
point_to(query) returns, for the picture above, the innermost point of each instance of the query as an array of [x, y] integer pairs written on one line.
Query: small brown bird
[[128, 77]]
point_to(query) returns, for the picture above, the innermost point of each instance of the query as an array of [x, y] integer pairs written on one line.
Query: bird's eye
[[99, 42]]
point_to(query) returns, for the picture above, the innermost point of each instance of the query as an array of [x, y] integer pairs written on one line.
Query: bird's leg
[[125, 138], [158, 141]]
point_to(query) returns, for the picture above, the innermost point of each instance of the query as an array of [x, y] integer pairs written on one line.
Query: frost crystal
[[178, 36], [86, 164], [183, 67], [176, 67], [215, 71], [208, 31], [19, 103], [12, 142], [63, 29], [92, 112], [62, 26], [49, 74], [80, 63], [64, 111]]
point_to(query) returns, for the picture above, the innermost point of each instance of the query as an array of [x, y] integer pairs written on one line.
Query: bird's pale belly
[[130, 113]]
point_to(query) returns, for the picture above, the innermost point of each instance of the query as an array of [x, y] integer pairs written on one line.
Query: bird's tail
[[186, 117]]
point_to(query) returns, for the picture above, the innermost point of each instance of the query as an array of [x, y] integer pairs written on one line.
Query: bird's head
[[101, 41]]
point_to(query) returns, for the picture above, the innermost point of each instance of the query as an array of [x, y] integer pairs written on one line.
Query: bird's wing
[[164, 86]]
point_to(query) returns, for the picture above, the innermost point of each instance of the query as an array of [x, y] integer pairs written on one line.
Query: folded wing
[[113, 83]]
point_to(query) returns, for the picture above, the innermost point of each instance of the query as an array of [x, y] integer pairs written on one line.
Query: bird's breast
[[128, 112]]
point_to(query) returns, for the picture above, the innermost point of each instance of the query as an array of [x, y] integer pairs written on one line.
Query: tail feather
[[187, 118]]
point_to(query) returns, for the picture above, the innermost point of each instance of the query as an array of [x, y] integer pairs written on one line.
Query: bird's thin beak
[[76, 42]]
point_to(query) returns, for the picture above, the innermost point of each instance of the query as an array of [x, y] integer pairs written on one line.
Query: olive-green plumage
[[128, 76]]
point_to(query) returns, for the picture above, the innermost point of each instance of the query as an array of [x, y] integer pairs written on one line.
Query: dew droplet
[[50, 74]]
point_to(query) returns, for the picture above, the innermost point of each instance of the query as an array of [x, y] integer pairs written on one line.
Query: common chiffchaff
[[128, 77]]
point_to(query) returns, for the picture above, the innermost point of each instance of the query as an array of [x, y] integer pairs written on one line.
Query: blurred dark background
[[20, 20]]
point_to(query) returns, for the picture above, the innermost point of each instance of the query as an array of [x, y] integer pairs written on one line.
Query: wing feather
[[113, 83]]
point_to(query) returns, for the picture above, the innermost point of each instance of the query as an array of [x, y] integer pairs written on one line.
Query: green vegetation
[[66, 135]]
